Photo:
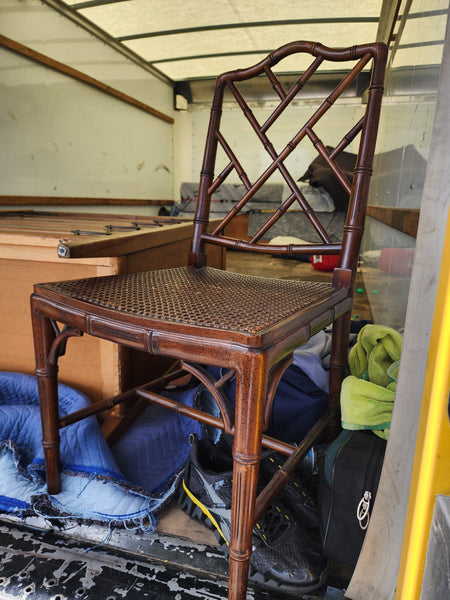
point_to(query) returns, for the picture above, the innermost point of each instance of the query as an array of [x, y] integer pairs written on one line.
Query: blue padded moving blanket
[[94, 487]]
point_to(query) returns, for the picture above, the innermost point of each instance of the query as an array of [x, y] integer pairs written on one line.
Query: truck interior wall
[[62, 137], [424, 123], [245, 138], [403, 149]]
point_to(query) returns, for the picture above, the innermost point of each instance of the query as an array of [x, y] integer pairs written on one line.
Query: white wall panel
[[243, 141], [62, 137], [45, 30]]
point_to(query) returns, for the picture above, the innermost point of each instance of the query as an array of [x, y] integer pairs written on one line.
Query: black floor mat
[[44, 565]]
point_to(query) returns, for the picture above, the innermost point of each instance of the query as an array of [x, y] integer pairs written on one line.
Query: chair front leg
[[251, 391], [47, 378]]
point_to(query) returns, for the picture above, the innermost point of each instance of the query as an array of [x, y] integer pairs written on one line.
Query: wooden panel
[[91, 366], [78, 235], [405, 220], [119, 243], [238, 228], [160, 258], [8, 200], [28, 255]]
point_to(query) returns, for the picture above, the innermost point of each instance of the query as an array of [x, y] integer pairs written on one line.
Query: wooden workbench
[[41, 246]]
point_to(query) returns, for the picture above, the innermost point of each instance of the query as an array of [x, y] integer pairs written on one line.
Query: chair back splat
[[249, 326], [276, 166]]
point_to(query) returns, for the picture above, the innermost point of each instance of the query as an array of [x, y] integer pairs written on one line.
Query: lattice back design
[[370, 55]]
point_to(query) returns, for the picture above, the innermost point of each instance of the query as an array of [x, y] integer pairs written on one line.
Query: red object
[[397, 261], [324, 262]]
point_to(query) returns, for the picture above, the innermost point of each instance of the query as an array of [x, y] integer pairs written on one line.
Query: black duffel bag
[[347, 490]]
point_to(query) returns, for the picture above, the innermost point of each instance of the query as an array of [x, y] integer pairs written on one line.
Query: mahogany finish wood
[[205, 316]]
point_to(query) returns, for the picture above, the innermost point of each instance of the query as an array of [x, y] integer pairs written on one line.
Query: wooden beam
[[405, 220], [406, 8], [388, 17], [7, 200], [79, 76]]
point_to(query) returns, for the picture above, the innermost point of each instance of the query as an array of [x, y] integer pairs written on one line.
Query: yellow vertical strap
[[431, 470]]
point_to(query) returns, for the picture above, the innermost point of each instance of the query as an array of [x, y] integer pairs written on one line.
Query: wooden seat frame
[[255, 345]]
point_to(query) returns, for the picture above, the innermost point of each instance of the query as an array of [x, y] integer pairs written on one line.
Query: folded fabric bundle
[[376, 349], [319, 174], [365, 405], [297, 405], [367, 395], [309, 357], [94, 487]]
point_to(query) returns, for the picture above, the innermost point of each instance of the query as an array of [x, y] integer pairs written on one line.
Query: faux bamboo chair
[[205, 316]]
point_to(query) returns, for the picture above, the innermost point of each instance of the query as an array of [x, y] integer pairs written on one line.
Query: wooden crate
[[29, 245]]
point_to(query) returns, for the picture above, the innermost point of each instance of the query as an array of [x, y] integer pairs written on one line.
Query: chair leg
[[251, 391], [338, 365], [47, 379]]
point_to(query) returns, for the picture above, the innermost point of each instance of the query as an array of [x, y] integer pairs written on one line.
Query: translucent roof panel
[[196, 39], [148, 16], [211, 52], [191, 39], [430, 30]]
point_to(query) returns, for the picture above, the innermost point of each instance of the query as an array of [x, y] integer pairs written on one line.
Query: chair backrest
[[232, 88]]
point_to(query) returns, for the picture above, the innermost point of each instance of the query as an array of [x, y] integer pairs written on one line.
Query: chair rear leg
[[338, 366], [251, 392], [47, 379]]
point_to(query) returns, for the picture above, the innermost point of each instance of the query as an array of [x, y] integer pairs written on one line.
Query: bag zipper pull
[[362, 512]]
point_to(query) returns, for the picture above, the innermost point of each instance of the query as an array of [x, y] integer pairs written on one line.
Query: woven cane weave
[[204, 297]]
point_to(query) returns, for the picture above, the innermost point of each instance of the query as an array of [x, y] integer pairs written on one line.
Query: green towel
[[376, 349], [366, 405], [367, 395]]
